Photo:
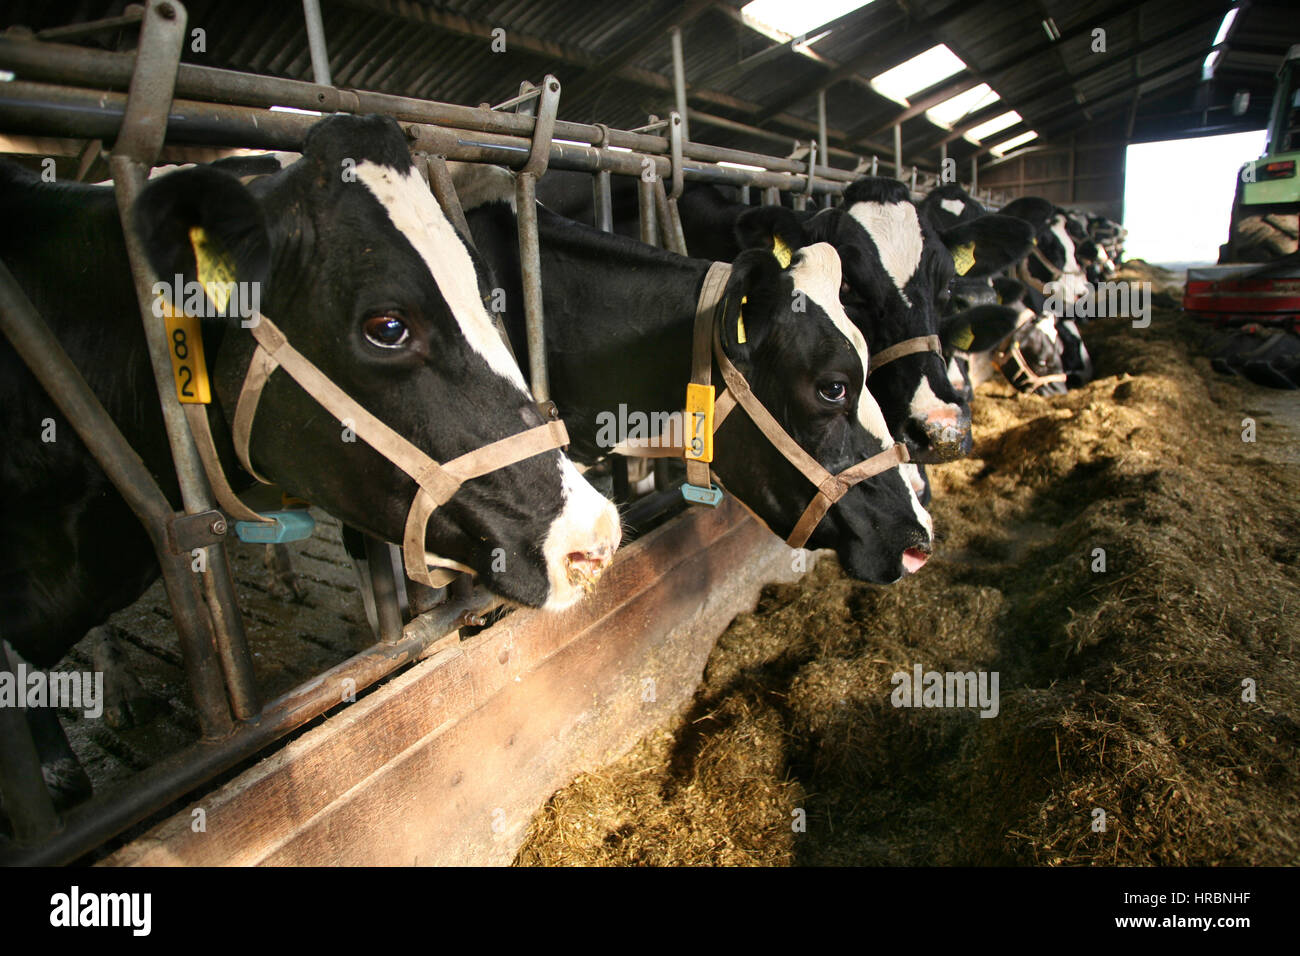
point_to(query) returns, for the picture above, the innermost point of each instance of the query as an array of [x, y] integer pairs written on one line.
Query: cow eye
[[386, 331], [833, 392]]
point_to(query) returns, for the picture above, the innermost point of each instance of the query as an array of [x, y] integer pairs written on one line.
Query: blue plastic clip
[[292, 525], [711, 496]]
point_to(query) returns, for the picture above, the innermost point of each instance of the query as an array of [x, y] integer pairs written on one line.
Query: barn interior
[[1122, 689]]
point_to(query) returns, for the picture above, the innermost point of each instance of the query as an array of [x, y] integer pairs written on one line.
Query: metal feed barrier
[[148, 100]]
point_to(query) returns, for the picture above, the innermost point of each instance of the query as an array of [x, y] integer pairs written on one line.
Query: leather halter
[[709, 314], [437, 482], [1027, 277], [1035, 380], [921, 343]]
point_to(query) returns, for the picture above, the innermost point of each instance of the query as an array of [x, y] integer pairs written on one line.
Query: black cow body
[[620, 318]]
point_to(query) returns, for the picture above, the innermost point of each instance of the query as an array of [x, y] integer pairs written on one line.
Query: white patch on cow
[[955, 378], [896, 231], [589, 525], [418, 217], [477, 184], [954, 206], [1047, 325], [912, 475], [816, 272]]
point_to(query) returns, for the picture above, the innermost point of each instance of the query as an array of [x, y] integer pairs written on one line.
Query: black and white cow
[[1052, 267], [895, 270], [364, 274], [619, 324]]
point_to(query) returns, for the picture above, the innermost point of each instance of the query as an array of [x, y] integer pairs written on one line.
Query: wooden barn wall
[[1083, 171]]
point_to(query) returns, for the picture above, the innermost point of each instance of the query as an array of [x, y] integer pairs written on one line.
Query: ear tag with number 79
[[699, 423]]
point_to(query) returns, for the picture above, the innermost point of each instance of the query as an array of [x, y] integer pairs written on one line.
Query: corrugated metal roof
[[614, 59]]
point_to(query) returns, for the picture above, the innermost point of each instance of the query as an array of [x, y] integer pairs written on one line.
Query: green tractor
[[1266, 209]]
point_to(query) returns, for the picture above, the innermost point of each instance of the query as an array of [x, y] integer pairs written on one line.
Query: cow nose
[[947, 427], [584, 568]]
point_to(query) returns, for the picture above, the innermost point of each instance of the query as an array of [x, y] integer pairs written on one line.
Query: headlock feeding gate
[[481, 730]]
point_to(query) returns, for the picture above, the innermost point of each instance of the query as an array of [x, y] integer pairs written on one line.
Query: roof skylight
[[951, 110], [996, 125], [919, 73], [786, 19], [1001, 149]]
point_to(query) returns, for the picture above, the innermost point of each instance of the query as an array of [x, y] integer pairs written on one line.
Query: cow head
[[361, 270], [896, 270], [806, 362], [1055, 269]]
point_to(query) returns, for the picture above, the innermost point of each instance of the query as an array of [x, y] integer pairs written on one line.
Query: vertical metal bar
[[320, 59], [40, 350], [530, 270], [875, 165], [144, 124], [27, 801], [603, 200], [823, 142], [679, 78], [645, 193], [914, 178], [943, 160], [530, 257], [898, 150], [974, 174], [771, 196], [744, 194], [383, 584], [445, 192]]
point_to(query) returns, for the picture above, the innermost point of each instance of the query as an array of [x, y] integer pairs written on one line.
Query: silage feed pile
[[1120, 691]]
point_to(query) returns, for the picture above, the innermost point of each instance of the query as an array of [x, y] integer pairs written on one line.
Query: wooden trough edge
[[447, 763]]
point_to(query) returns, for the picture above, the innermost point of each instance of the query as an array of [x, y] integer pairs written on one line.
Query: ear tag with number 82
[[185, 346], [699, 423]]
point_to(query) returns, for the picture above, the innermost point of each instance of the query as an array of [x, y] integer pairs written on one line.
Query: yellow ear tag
[[963, 340], [215, 269], [782, 252], [963, 257], [740, 321], [699, 423], [185, 346]]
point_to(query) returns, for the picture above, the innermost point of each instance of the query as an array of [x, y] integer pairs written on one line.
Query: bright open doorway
[[1178, 196]]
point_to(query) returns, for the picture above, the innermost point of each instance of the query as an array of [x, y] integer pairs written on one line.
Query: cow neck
[[436, 482], [706, 338]]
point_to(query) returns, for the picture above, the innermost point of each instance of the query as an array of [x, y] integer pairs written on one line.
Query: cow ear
[[753, 294], [204, 225], [978, 329], [774, 228], [982, 246], [1031, 209]]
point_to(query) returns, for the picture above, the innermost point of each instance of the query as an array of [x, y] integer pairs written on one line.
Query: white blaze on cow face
[[954, 206], [816, 272], [417, 216], [581, 541], [1072, 284], [912, 475], [896, 231]]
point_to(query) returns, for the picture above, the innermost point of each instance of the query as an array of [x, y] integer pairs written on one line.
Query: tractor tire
[[1264, 238]]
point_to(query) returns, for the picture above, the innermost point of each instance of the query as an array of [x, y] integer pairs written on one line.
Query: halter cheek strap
[[436, 482]]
